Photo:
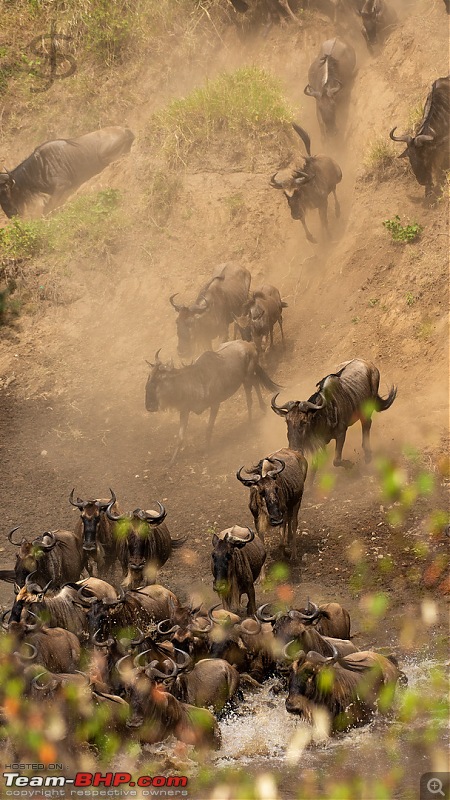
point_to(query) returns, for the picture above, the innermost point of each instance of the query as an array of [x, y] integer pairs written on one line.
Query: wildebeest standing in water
[[342, 398], [236, 562], [143, 544], [209, 317], [310, 186], [428, 150], [211, 379], [276, 490], [330, 77], [58, 168]]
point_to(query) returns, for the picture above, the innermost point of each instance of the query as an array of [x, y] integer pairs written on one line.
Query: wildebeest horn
[[200, 308], [404, 138], [118, 665], [291, 656], [35, 625], [34, 587], [274, 183], [102, 642], [86, 601], [150, 517], [103, 506], [174, 305], [78, 503], [186, 659], [42, 686], [153, 669], [30, 657], [210, 611], [5, 625], [332, 659], [250, 481], [16, 544], [316, 406], [310, 92], [265, 617], [163, 632], [239, 539], [137, 659], [272, 472], [281, 410], [110, 515], [201, 631], [315, 611], [46, 547], [243, 626], [301, 177], [422, 138]]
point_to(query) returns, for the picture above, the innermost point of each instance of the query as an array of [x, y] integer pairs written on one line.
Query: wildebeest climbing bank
[[224, 434]]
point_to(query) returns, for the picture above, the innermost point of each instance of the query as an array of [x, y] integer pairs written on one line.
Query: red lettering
[[121, 777], [159, 780], [104, 780], [83, 779], [144, 780]]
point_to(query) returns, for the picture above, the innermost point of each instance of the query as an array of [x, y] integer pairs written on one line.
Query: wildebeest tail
[[176, 543], [383, 404], [264, 379], [303, 136]]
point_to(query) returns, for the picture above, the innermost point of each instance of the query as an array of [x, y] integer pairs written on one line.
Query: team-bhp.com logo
[[93, 780]]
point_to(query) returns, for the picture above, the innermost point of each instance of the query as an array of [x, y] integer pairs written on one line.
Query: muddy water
[[261, 736]]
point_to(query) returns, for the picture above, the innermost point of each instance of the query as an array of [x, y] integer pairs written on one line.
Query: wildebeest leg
[[212, 418], [271, 336], [323, 214], [184, 417], [366, 426], [293, 523], [261, 402], [309, 236], [338, 461], [337, 208], [280, 323], [251, 605]]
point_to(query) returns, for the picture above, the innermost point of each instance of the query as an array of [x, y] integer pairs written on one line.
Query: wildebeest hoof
[[343, 463], [367, 457], [311, 239]]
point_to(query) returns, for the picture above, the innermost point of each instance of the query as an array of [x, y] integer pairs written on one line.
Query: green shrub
[[402, 233], [20, 239]]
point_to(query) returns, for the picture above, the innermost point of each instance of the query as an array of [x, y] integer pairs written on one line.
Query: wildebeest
[[211, 379], [236, 562], [97, 533], [428, 149], [155, 713], [143, 544], [135, 609], [342, 398], [378, 19], [310, 186], [328, 619], [211, 682], [55, 556], [57, 168], [56, 649], [330, 76], [351, 696], [259, 315], [276, 490], [308, 638], [211, 314]]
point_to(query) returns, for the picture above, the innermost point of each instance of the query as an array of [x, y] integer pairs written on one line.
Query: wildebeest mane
[[437, 109]]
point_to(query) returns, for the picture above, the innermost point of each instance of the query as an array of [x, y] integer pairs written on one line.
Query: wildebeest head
[[268, 496], [222, 556], [91, 513], [157, 387], [135, 530], [291, 182], [7, 202], [420, 151], [371, 14], [326, 103], [29, 554], [304, 681], [187, 320], [299, 416]]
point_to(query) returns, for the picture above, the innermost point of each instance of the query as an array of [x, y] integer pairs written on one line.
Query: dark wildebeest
[[56, 649], [236, 562], [328, 619], [247, 644], [143, 544], [428, 150], [210, 316], [378, 20], [155, 713], [134, 609], [97, 533], [307, 638], [259, 315], [275, 10], [55, 556], [342, 398], [351, 697], [211, 682], [57, 168], [310, 186], [276, 490], [330, 77], [211, 379]]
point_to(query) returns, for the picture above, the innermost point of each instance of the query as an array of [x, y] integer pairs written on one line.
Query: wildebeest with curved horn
[[97, 533], [378, 19], [236, 562], [330, 77], [310, 186], [328, 619], [211, 379], [351, 697], [342, 398], [428, 149], [276, 489], [55, 557], [213, 311], [57, 168], [143, 544], [260, 313]]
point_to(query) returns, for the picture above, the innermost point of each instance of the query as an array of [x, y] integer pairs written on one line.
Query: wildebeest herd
[[159, 666]]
